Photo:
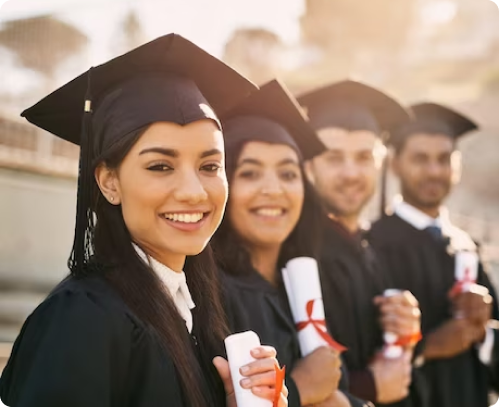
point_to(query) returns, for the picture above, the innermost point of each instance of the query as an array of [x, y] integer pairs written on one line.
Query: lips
[[269, 212], [184, 217], [186, 221]]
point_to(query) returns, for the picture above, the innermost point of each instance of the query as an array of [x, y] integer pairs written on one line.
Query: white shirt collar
[[175, 283], [421, 220]]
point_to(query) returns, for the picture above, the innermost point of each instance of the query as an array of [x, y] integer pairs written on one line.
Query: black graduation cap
[[353, 106], [61, 112], [168, 79], [272, 115], [434, 119]]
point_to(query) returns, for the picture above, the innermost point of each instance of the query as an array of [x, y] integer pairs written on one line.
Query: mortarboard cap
[[271, 115], [353, 106], [433, 118], [61, 112], [168, 79]]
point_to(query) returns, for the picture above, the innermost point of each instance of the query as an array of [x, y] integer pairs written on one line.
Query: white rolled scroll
[[238, 347], [303, 286], [466, 269], [391, 350]]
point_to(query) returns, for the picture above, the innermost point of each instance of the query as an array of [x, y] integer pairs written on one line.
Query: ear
[[108, 183], [456, 162], [309, 171]]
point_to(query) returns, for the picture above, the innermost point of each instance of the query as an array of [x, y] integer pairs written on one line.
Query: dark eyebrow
[[213, 151], [159, 150], [254, 161], [174, 153], [287, 161], [249, 161]]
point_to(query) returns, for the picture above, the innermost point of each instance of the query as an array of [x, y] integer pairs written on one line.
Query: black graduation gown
[[352, 276], [252, 303], [418, 262], [83, 347]]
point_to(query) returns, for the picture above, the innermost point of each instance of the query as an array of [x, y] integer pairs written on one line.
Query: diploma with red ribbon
[[238, 347], [465, 272], [303, 286], [394, 344]]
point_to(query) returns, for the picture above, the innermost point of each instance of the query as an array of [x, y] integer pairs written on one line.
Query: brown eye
[[211, 167], [160, 168], [289, 175], [249, 174]]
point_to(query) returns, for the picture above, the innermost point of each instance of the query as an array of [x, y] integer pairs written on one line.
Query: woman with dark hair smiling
[[138, 322], [270, 211]]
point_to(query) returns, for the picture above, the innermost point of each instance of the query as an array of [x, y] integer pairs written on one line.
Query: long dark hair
[[228, 246], [141, 289]]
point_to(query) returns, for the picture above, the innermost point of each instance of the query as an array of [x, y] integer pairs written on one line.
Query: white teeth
[[184, 217], [270, 212]]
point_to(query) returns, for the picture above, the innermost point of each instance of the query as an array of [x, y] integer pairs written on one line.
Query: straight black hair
[[141, 289]]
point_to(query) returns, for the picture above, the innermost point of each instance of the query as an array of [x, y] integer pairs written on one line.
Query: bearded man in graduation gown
[[349, 118], [424, 250]]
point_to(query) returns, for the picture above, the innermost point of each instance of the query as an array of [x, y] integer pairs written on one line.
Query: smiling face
[[427, 166], [344, 176], [266, 194], [172, 189]]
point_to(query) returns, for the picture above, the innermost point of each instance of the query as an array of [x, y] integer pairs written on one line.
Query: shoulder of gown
[[74, 349]]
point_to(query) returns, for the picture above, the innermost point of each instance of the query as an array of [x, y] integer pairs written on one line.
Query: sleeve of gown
[[488, 351], [346, 385], [294, 395], [66, 355]]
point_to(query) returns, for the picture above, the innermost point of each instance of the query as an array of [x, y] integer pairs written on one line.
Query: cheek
[[217, 190], [241, 194], [296, 196]]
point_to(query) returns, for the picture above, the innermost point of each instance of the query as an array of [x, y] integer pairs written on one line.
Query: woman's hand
[[259, 376], [317, 375]]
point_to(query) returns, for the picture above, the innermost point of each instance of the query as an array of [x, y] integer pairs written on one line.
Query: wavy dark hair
[[230, 252], [142, 290]]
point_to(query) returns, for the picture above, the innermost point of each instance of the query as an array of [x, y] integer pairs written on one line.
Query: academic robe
[[352, 276], [252, 303], [424, 265], [83, 347]]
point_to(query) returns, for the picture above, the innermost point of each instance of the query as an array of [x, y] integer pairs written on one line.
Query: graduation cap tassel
[[82, 244], [384, 182], [384, 179]]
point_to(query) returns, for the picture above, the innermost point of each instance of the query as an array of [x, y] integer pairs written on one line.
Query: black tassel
[[384, 176], [84, 228]]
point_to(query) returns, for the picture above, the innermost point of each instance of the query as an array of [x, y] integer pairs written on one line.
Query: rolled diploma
[[302, 282], [466, 269], [238, 347], [390, 350]]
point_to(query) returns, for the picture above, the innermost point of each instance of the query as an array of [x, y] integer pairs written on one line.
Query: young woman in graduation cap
[[128, 327], [267, 136]]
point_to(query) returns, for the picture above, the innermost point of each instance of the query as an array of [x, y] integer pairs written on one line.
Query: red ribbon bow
[[409, 340], [320, 327], [458, 287], [279, 383]]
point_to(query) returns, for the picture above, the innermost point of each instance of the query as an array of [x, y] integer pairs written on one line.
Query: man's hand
[[474, 305], [400, 314], [392, 377], [317, 375], [451, 339]]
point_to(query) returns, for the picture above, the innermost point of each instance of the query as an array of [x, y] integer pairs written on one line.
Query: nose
[[190, 189], [272, 186], [434, 169], [350, 169]]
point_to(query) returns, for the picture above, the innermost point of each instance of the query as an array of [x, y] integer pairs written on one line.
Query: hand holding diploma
[[251, 377], [400, 320]]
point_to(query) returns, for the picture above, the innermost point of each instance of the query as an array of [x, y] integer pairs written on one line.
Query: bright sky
[[209, 23]]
